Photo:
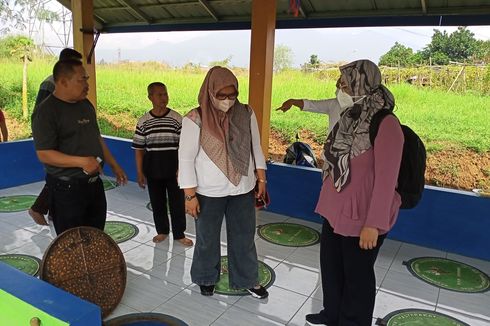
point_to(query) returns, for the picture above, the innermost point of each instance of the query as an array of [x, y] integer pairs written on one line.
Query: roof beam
[[375, 6], [309, 5], [433, 11], [99, 22], [424, 6], [208, 8], [135, 9], [302, 12]]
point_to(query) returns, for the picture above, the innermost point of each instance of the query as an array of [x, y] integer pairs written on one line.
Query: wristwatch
[[190, 197]]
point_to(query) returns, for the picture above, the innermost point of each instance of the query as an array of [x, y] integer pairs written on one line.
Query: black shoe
[[315, 319], [260, 293], [207, 290]]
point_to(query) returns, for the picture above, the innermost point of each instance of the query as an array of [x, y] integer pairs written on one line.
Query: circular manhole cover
[[120, 231], [17, 203], [449, 274], [145, 319], [25, 263], [419, 317], [266, 278], [289, 234], [87, 263]]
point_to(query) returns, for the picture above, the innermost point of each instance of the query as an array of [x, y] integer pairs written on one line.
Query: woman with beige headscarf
[[220, 161]]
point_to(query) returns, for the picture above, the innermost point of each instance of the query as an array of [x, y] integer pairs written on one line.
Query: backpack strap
[[376, 121]]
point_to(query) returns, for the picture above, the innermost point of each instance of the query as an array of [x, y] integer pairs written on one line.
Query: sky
[[203, 47], [330, 45]]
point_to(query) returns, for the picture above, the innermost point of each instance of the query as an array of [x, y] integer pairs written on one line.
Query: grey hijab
[[350, 136]]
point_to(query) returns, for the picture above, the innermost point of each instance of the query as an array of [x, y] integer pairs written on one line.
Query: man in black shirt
[[41, 205], [68, 141]]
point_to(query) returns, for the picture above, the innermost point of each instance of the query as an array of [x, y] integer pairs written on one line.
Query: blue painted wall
[[449, 220], [19, 164], [48, 298]]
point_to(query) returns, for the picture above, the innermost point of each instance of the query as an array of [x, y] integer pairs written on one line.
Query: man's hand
[[368, 238], [90, 165], [121, 176], [141, 180]]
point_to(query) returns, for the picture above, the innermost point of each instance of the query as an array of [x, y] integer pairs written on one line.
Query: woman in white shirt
[[220, 161], [330, 106]]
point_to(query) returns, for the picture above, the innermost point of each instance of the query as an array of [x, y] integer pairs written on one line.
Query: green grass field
[[440, 118]]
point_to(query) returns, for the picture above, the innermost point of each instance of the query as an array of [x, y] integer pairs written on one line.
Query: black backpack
[[299, 153], [411, 178]]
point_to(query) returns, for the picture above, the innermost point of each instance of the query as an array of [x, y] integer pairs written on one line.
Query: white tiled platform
[[159, 280]]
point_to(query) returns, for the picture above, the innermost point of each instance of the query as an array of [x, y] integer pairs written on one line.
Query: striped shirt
[[159, 138]]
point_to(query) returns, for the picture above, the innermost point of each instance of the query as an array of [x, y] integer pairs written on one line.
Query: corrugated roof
[[118, 16]]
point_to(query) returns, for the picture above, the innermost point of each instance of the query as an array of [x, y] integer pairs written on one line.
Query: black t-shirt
[[70, 128]]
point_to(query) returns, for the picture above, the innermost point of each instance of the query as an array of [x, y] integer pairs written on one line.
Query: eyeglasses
[[226, 96]]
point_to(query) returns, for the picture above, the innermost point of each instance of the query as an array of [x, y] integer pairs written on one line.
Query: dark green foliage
[[398, 55], [459, 46], [14, 46]]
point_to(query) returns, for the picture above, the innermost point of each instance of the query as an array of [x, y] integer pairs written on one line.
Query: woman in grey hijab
[[358, 199]]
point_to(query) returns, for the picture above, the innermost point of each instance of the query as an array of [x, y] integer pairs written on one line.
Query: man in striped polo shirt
[[156, 143]]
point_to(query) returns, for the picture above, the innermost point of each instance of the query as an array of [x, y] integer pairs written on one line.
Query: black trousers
[[41, 205], [348, 279], [76, 203], [158, 189]]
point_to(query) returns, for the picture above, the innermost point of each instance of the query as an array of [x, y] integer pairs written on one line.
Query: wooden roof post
[[261, 64], [83, 39]]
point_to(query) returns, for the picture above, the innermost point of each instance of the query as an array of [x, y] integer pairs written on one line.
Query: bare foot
[[159, 238], [37, 217], [186, 242]]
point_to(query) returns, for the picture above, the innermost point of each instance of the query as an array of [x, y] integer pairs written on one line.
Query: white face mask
[[222, 105], [344, 99]]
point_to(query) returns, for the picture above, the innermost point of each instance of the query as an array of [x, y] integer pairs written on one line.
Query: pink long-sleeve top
[[370, 199]]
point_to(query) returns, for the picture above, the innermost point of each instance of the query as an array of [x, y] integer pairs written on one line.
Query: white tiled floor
[[159, 280]]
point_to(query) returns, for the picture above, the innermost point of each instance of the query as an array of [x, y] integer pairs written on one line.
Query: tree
[[10, 44], [222, 63], [21, 48], [283, 58], [314, 61], [483, 52], [24, 14], [460, 46], [398, 55]]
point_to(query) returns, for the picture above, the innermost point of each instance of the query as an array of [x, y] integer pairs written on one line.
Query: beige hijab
[[225, 137]]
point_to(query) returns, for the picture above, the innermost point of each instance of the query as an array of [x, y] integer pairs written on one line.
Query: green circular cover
[[17, 203], [120, 231], [25, 263], [419, 317], [108, 184], [449, 274], [266, 278], [289, 234]]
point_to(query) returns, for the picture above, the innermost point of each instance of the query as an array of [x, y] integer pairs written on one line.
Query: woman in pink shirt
[[358, 198]]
